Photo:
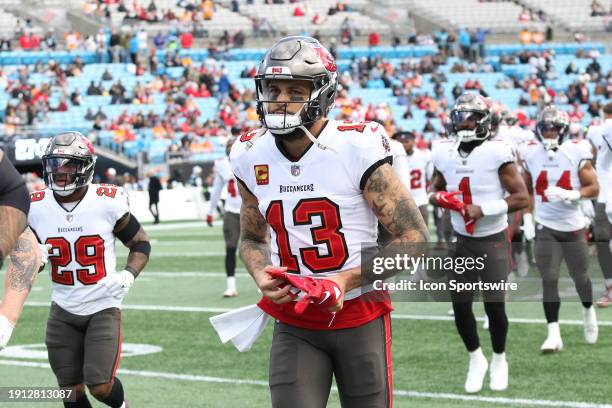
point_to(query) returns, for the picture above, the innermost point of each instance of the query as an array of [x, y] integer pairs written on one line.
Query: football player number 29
[[88, 251], [328, 233]]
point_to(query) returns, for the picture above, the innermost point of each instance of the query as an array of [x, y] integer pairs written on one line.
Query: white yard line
[[155, 254], [401, 393], [239, 274], [198, 309], [196, 242], [177, 225]]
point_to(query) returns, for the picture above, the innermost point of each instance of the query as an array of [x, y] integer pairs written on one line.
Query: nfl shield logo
[[295, 170], [69, 217]]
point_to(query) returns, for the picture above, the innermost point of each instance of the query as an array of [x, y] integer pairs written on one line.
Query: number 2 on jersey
[[416, 181], [542, 183], [328, 233], [63, 255]]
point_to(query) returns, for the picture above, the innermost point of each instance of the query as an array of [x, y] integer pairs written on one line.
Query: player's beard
[[292, 136], [469, 146]]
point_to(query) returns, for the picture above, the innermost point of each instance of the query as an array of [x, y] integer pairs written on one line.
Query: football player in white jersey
[[321, 186], [477, 179], [400, 166], [602, 228], [559, 173], [510, 131], [81, 221], [420, 170], [224, 179]]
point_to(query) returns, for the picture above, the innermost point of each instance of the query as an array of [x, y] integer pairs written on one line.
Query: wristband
[[496, 207]]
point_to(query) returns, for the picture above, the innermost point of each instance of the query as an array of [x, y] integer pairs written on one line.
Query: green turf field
[[171, 302]]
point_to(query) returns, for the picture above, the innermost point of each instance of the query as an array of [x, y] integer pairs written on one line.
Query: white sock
[[231, 283], [608, 283], [498, 357], [553, 329], [476, 354]]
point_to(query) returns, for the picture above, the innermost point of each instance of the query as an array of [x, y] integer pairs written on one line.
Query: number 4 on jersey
[[542, 183]]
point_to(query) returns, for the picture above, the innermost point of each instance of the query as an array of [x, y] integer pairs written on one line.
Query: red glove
[[209, 220], [449, 200], [320, 291], [470, 225]]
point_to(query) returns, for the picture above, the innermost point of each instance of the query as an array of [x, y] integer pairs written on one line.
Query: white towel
[[241, 326]]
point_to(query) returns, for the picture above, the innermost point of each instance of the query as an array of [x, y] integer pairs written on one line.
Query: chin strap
[[315, 141]]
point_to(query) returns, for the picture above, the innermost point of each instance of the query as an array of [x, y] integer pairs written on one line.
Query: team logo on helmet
[[326, 58]]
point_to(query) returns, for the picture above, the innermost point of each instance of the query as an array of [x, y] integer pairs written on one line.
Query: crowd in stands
[[236, 107], [150, 13], [599, 10], [419, 86]]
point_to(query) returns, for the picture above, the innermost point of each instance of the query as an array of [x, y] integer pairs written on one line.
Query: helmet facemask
[[65, 174], [544, 130], [299, 59], [281, 121], [551, 128], [470, 125]]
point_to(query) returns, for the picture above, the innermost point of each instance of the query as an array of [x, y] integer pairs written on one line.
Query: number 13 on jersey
[[329, 234]]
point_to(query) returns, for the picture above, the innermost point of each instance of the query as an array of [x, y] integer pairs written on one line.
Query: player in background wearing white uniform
[[607, 159], [400, 166], [321, 186], [80, 221], [400, 162], [602, 228], [559, 173], [510, 131], [441, 215], [471, 177], [21, 247], [224, 179], [420, 170]]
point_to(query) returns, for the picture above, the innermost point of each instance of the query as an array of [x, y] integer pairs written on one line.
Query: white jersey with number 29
[[82, 245]]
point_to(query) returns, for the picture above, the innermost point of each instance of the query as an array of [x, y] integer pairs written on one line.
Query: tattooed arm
[[255, 249], [12, 223], [14, 206], [392, 203], [20, 276]]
